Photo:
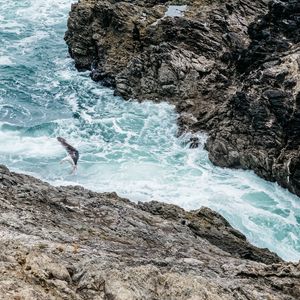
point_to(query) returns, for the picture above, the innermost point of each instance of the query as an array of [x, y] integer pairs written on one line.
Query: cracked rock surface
[[72, 243]]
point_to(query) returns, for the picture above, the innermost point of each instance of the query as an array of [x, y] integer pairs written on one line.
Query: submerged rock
[[232, 66], [72, 243]]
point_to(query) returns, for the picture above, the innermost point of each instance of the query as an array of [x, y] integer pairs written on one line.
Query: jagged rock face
[[231, 69], [145, 55], [263, 132], [71, 243]]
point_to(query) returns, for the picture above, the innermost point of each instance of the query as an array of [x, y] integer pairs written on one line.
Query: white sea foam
[[28, 42], [125, 146], [15, 144], [48, 12], [5, 61]]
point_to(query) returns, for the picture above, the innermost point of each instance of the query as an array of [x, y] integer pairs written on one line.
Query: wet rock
[[233, 67], [101, 246], [194, 142]]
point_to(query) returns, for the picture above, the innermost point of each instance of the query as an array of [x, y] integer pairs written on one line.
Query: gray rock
[[72, 243]]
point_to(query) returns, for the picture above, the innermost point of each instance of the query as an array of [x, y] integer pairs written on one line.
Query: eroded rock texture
[[264, 123], [71, 243], [230, 67]]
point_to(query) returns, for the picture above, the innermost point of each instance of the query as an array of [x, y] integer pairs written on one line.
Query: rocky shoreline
[[231, 69], [72, 243]]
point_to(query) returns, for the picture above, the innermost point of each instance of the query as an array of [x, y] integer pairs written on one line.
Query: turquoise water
[[127, 147]]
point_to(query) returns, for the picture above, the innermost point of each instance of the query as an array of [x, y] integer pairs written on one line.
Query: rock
[[211, 226], [234, 67], [267, 104], [41, 266], [101, 246]]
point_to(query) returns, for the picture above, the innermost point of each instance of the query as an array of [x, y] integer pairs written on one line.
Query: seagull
[[73, 154]]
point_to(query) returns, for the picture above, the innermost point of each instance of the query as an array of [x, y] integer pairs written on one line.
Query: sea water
[[125, 146]]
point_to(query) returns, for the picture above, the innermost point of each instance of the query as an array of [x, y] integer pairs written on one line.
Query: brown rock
[[101, 246]]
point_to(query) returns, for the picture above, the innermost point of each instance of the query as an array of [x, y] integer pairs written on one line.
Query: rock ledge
[[72, 243]]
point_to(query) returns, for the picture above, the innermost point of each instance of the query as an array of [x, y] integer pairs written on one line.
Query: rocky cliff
[[71, 243], [231, 68]]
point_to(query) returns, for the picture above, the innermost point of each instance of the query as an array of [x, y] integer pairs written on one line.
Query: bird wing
[[71, 150]]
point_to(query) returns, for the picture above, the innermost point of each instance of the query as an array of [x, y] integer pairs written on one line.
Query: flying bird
[[73, 154]]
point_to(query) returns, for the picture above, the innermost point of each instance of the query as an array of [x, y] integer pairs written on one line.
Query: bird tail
[[68, 159], [74, 170]]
